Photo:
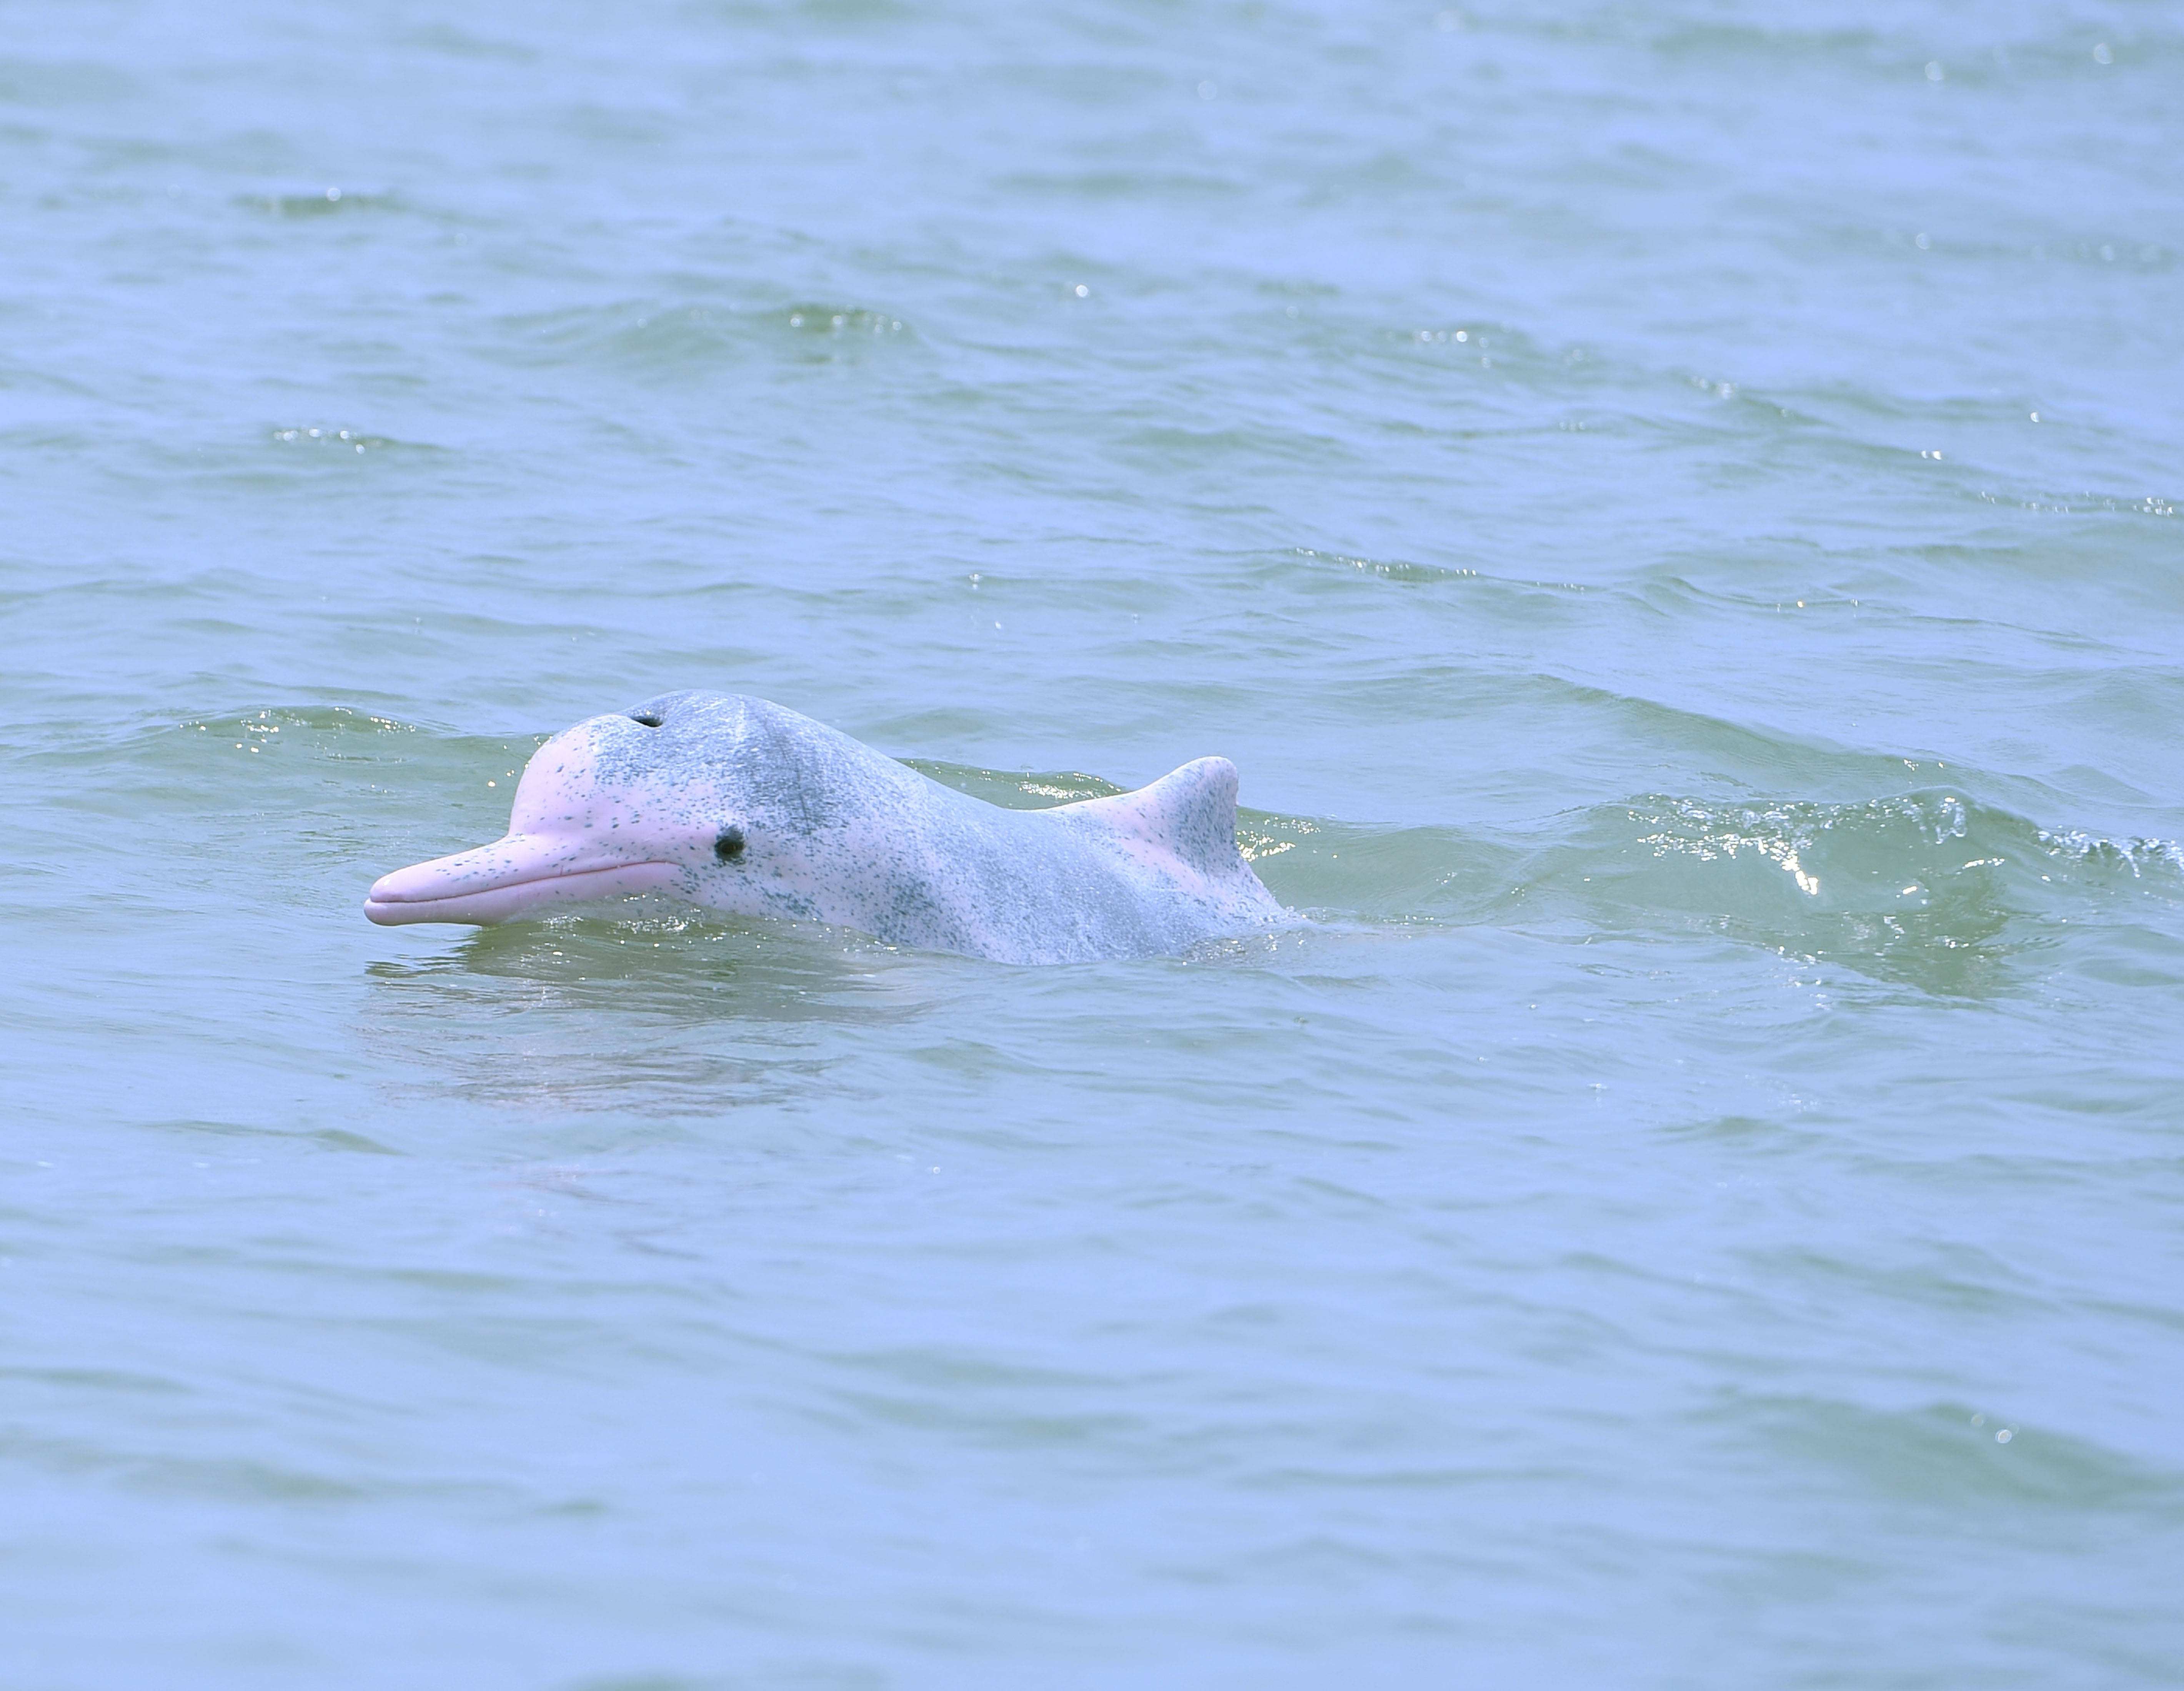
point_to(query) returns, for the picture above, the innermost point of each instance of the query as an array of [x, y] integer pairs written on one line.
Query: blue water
[[1671, 510]]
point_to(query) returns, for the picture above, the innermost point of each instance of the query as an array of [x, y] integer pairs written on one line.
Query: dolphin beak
[[511, 878]]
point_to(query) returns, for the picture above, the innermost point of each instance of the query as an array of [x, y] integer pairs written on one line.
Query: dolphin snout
[[509, 879]]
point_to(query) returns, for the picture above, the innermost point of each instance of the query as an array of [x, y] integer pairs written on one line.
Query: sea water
[[1670, 507]]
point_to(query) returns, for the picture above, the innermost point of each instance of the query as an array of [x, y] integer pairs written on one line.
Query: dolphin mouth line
[[513, 899]]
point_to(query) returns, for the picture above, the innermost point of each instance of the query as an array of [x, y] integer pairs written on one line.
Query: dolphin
[[733, 803]]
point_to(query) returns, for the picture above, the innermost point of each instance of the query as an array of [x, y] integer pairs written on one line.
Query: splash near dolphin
[[736, 804]]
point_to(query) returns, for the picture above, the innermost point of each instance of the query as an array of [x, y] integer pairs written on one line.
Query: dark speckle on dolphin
[[734, 803]]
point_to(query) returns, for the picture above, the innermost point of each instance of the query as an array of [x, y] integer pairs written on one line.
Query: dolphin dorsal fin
[[1189, 814]]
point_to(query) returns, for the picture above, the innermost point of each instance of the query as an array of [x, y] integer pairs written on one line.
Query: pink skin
[[733, 803], [564, 844]]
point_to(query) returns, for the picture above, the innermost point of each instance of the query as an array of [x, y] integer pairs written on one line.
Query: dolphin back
[[1183, 823]]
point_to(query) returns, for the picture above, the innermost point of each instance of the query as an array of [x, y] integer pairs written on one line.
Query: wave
[[1931, 888], [680, 343]]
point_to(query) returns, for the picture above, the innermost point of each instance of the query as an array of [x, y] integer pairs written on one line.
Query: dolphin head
[[708, 798]]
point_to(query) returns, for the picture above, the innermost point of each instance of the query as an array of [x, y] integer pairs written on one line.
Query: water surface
[[1672, 510]]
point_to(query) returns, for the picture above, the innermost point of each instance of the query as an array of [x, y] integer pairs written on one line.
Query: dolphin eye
[[730, 845], [646, 717]]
